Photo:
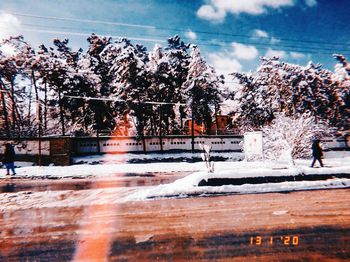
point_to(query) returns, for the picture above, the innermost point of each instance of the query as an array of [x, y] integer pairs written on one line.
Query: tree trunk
[[29, 106], [4, 109], [61, 112], [84, 117], [38, 106], [143, 144], [13, 106], [45, 106], [181, 118], [216, 120], [38, 114], [15, 115]]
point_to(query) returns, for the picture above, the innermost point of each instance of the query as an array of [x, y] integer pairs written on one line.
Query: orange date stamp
[[292, 240]]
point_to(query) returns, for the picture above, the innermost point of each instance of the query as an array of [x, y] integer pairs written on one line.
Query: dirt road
[[299, 226]]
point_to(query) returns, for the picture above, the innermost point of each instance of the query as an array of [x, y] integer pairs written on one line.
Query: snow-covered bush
[[288, 138]]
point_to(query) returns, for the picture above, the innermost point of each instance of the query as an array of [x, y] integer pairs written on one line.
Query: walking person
[[317, 152], [9, 158]]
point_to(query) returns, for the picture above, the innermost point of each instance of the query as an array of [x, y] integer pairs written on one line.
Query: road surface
[[297, 226]]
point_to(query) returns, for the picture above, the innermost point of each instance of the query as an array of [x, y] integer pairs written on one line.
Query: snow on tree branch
[[288, 138]]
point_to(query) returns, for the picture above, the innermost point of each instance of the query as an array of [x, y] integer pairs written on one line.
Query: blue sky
[[232, 34]]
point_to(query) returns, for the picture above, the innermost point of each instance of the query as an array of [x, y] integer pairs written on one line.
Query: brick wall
[[61, 151]]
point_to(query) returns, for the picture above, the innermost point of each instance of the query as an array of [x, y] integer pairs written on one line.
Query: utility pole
[[39, 132]]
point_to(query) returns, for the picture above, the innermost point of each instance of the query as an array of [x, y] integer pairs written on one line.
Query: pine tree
[[178, 58], [96, 64], [130, 80], [58, 80], [202, 88]]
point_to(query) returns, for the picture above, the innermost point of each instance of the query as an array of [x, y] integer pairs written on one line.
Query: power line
[[306, 49], [225, 42], [256, 37], [262, 46], [87, 34], [169, 29], [83, 20], [121, 100]]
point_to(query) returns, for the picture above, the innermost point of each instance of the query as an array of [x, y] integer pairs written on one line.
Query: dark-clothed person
[[317, 152], [9, 158]]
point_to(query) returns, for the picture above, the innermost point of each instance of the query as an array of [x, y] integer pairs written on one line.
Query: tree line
[[43, 89], [292, 90], [49, 90]]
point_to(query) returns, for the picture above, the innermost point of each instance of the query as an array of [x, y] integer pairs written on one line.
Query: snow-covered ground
[[335, 163], [112, 165]]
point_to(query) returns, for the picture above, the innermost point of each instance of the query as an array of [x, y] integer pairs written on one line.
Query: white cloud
[[228, 60], [263, 34], [279, 53], [9, 25], [274, 40], [216, 10], [244, 52], [297, 55], [208, 12], [260, 33], [191, 35], [311, 3], [224, 63]]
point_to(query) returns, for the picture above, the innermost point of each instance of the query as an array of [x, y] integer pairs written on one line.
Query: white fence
[[27, 147]]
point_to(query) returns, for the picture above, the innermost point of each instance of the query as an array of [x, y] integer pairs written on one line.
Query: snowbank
[[188, 185], [181, 189], [153, 157]]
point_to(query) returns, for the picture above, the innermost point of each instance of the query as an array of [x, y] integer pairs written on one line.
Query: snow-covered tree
[[287, 138], [168, 70], [178, 57], [130, 80], [203, 89], [161, 89], [282, 87], [252, 110], [126, 72], [8, 73], [96, 64], [12, 95], [342, 94], [314, 92], [33, 67], [57, 79]]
